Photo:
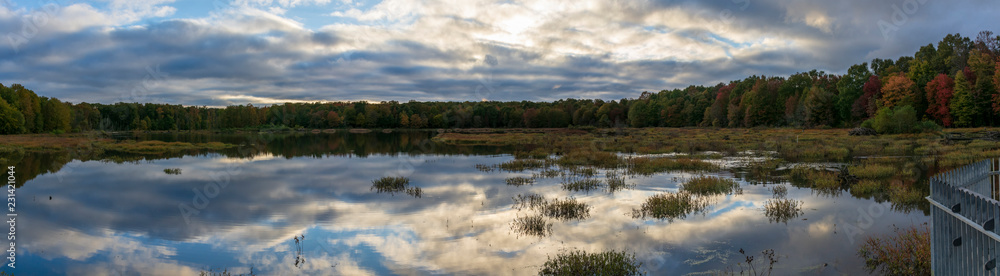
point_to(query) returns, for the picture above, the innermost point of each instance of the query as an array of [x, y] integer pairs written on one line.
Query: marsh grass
[[712, 185], [905, 197], [616, 182], [395, 184], [600, 159], [532, 225], [531, 201], [586, 185], [173, 171], [867, 188], [670, 206], [518, 165], [652, 165], [872, 170], [484, 168], [518, 181], [547, 173], [779, 191], [906, 252], [782, 209], [566, 209], [583, 263]]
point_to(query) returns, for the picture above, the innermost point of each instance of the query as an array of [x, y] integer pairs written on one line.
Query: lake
[[305, 204]]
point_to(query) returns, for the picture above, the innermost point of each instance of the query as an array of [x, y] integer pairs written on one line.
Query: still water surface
[[304, 204]]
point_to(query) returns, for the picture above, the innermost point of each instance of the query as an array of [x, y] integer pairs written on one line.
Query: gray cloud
[[435, 50]]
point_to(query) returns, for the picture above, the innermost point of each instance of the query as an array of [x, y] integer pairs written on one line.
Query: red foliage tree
[[865, 106], [939, 92]]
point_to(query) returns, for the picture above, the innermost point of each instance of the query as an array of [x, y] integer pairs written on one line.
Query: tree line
[[954, 84]]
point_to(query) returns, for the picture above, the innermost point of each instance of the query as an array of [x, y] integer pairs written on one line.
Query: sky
[[226, 52]]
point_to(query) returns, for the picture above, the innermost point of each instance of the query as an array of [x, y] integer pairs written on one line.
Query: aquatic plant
[[532, 226], [712, 185], [174, 171], [583, 263], [670, 206], [782, 209], [586, 185], [616, 182], [395, 184], [531, 201], [653, 165], [872, 170], [518, 165], [566, 209], [779, 191], [518, 181], [865, 188]]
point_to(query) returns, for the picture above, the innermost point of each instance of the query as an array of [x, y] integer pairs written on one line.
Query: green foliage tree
[[11, 120], [850, 88], [963, 104]]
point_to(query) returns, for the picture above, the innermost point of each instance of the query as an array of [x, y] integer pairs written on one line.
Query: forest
[[952, 84]]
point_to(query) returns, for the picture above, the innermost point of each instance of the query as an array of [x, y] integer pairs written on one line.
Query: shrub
[[908, 252]]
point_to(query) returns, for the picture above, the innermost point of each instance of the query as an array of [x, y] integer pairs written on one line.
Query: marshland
[[652, 200]]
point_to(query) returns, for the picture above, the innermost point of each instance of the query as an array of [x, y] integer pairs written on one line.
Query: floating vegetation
[[616, 182], [907, 252], [712, 185], [601, 159], [670, 206], [584, 172], [519, 181], [867, 188], [782, 209], [532, 201], [586, 185], [566, 209], [395, 184], [547, 173], [414, 191], [583, 263], [779, 191], [532, 226], [484, 168], [518, 165], [872, 170], [653, 165], [173, 171]]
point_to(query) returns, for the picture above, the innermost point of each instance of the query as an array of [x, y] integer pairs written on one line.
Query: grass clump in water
[[616, 182], [518, 165], [518, 181], [531, 201], [532, 226], [173, 171], [782, 209], [601, 159], [779, 191], [670, 206], [583, 263], [395, 184], [653, 165], [712, 185], [872, 170], [867, 187], [566, 209], [586, 185]]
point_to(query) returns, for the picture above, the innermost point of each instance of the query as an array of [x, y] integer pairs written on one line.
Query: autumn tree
[[850, 88], [939, 93], [898, 90]]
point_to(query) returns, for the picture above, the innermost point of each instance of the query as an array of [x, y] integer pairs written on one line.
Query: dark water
[[303, 204]]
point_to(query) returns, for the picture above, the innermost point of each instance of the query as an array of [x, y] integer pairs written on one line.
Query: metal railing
[[964, 235]]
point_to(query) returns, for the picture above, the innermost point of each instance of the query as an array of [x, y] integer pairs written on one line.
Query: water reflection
[[111, 218]]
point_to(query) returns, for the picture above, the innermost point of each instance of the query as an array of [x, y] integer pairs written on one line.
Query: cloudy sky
[[220, 52]]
